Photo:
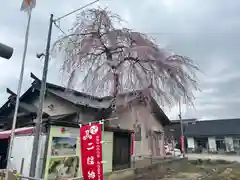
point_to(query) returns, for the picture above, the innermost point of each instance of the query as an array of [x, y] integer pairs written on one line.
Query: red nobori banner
[[132, 143], [182, 143], [91, 151]]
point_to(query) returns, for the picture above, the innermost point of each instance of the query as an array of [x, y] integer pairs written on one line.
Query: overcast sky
[[207, 31]]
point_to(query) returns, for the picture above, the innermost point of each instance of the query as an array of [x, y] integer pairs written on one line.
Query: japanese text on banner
[[91, 151]]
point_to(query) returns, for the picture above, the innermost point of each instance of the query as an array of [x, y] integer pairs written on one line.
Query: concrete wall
[[191, 143], [139, 114], [212, 144], [229, 144]]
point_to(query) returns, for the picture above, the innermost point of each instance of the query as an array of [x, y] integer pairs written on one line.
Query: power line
[[72, 12], [57, 19], [58, 27], [91, 3]]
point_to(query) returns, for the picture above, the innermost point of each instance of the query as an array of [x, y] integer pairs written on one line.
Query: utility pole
[[181, 126], [6, 52], [41, 100], [43, 88]]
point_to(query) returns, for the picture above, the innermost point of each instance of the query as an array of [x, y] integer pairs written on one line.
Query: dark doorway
[[3, 153], [121, 150], [220, 143], [202, 143]]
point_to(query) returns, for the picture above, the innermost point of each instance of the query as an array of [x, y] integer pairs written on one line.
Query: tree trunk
[[115, 87]]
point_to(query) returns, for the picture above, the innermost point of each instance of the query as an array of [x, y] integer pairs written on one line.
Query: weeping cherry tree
[[111, 60]]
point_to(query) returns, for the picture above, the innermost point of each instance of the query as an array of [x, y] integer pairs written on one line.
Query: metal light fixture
[[6, 52]]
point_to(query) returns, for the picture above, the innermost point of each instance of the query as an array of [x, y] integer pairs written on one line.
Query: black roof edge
[[5, 105], [11, 92], [76, 125], [29, 114], [33, 76], [166, 120], [66, 114], [13, 95], [54, 86]]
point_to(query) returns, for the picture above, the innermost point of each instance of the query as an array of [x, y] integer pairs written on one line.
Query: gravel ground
[[183, 176], [207, 170]]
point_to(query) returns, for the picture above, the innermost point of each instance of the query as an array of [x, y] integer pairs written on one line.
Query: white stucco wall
[[190, 142], [59, 106], [212, 144], [229, 143], [140, 115]]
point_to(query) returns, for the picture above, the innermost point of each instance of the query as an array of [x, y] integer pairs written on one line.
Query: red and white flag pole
[[27, 6]]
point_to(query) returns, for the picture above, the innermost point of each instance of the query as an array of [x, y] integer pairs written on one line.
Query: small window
[[236, 143], [138, 132]]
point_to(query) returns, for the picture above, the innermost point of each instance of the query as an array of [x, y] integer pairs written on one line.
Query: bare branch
[[103, 52]]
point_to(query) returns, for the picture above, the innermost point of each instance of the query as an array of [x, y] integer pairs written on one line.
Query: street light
[[6, 52]]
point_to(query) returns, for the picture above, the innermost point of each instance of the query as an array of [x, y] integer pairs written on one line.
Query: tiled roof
[[81, 99]]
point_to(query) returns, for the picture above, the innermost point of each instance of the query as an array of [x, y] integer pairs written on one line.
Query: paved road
[[214, 157]]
